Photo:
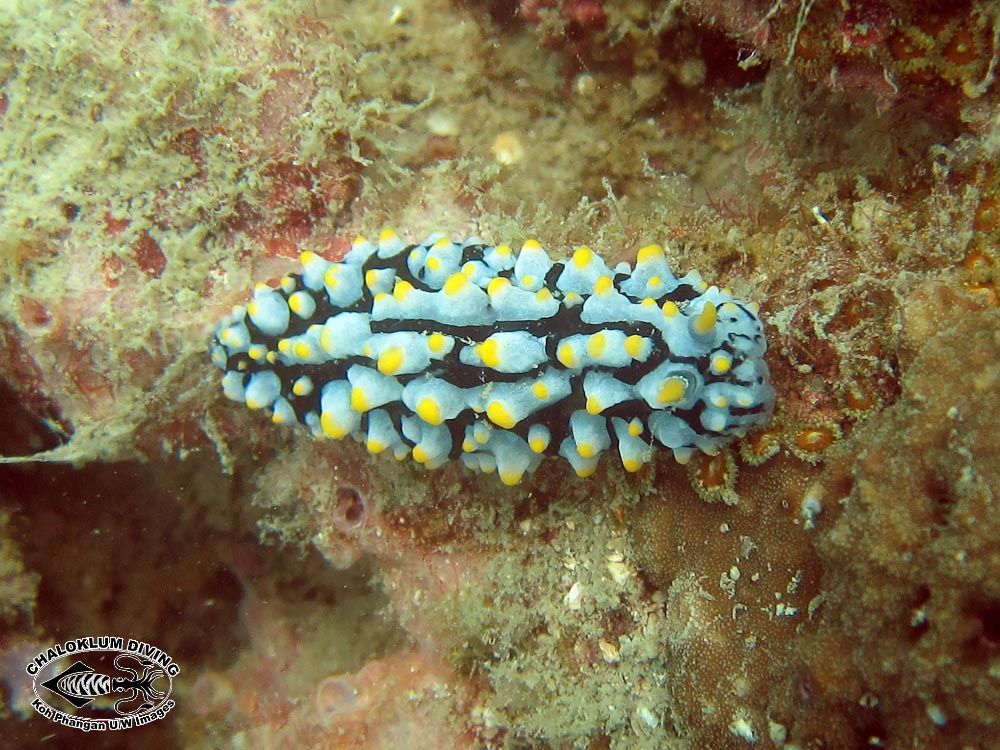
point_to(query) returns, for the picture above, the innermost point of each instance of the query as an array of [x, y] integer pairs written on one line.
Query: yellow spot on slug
[[359, 401], [433, 264], [504, 250], [540, 391], [633, 346], [375, 446], [511, 478], [670, 309], [531, 244], [420, 454], [585, 470], [455, 283], [306, 257], [390, 360], [596, 344], [303, 350], [582, 257], [330, 277], [468, 446], [566, 355], [594, 405], [497, 285], [285, 346], [649, 253], [527, 280], [387, 235], [635, 427], [442, 243], [631, 464], [257, 352], [603, 285], [330, 426], [402, 289], [586, 450], [721, 364], [371, 278], [500, 416], [430, 411], [704, 322], [672, 390], [489, 352], [436, 342], [543, 295], [538, 445], [302, 387]]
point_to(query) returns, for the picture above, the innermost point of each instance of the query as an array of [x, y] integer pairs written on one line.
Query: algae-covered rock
[[911, 588]]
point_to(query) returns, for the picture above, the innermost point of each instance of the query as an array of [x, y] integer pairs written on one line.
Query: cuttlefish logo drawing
[[104, 683]]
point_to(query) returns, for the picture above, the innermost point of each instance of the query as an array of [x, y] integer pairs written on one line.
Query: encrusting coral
[[912, 549]]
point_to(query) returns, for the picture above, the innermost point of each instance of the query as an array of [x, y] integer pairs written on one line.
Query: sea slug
[[471, 351]]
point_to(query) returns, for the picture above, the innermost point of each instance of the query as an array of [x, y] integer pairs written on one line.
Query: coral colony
[[472, 351]]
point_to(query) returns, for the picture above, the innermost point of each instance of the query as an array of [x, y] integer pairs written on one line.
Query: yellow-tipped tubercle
[[672, 390], [704, 322], [429, 410]]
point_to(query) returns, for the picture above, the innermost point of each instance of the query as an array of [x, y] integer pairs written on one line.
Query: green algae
[[558, 629]]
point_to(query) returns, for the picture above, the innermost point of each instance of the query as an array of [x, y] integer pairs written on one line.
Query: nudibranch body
[[466, 350]]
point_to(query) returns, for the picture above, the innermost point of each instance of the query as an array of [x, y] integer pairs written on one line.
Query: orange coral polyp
[[977, 260], [815, 439], [986, 217], [859, 398], [962, 49], [903, 48], [713, 472], [760, 446]]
